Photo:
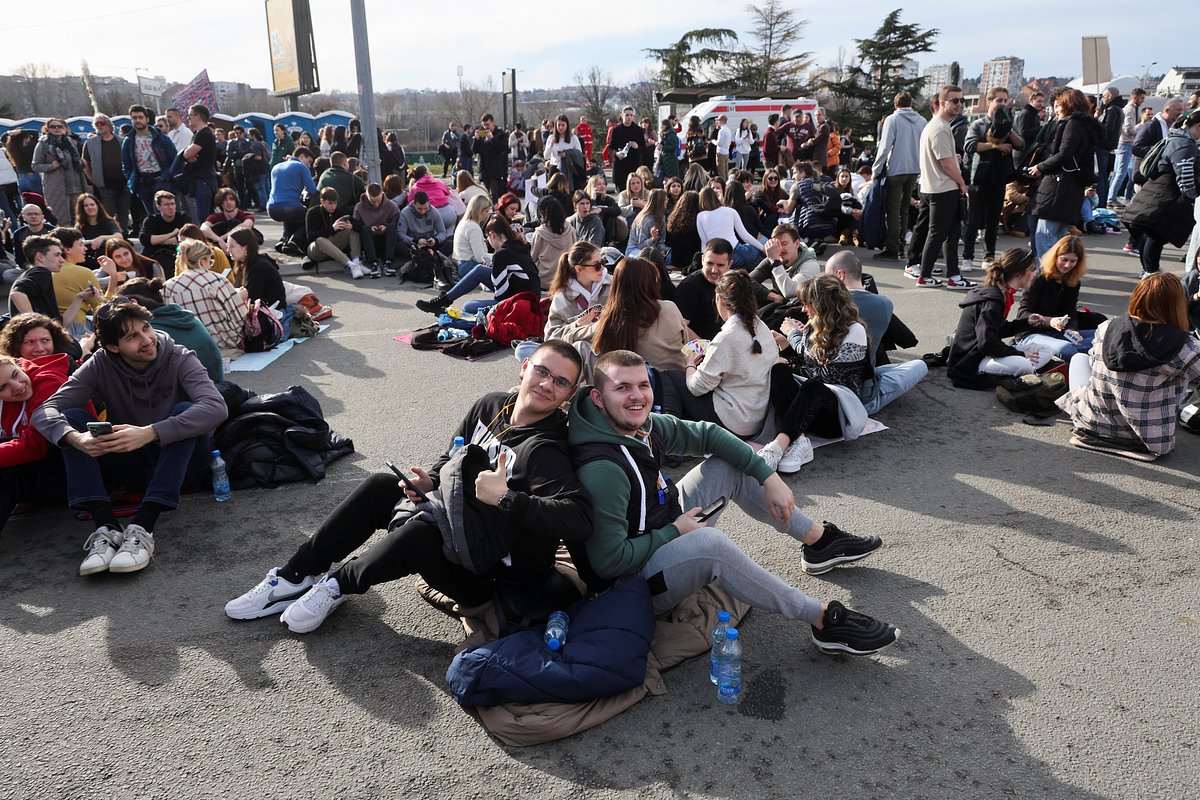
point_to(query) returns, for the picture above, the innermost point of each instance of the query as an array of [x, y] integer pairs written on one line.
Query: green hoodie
[[615, 549]]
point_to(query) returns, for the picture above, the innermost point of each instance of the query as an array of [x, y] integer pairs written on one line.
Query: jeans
[[1046, 235], [292, 218], [985, 205], [1122, 173], [900, 191], [262, 187], [746, 256], [706, 555], [1151, 249], [893, 380], [945, 226], [29, 182], [145, 187], [371, 243], [159, 470], [200, 198], [472, 279]]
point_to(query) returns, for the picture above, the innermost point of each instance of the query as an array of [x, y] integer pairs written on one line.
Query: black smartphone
[[99, 428], [712, 510], [408, 481]]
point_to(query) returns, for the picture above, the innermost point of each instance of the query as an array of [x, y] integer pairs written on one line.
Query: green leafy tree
[[683, 60], [768, 65], [867, 88]]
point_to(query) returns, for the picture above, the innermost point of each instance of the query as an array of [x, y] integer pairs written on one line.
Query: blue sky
[[420, 44]]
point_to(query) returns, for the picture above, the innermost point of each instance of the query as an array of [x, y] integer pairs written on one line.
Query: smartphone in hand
[[100, 428], [412, 487], [712, 510]]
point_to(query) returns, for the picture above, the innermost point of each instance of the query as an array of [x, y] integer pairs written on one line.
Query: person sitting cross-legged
[[331, 236], [161, 406], [523, 485], [644, 524]]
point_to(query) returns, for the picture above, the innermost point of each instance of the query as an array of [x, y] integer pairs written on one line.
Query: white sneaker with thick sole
[[306, 614], [272, 595], [799, 453], [771, 454], [356, 269], [135, 552], [101, 546]]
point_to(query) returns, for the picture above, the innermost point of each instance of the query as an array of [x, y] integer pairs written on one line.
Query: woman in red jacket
[[30, 468]]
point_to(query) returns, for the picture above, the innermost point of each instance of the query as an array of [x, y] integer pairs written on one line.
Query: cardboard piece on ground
[[256, 362]]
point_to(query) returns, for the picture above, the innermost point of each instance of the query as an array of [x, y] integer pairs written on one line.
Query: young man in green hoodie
[[639, 526]]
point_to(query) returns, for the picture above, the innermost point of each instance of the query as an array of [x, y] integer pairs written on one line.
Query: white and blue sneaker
[[272, 595], [306, 614]]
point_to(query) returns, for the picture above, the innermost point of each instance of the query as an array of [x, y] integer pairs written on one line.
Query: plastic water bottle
[[458, 445], [718, 636], [729, 668], [220, 478], [556, 630]]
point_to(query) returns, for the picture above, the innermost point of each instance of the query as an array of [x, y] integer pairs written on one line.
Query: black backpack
[[1032, 394], [422, 268]]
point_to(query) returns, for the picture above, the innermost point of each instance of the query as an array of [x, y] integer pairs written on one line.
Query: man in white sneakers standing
[[943, 187]]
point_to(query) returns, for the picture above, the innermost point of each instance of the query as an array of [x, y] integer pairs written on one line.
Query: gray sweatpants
[[706, 555]]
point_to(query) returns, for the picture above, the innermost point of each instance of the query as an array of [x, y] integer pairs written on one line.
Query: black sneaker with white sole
[[846, 631], [844, 548]]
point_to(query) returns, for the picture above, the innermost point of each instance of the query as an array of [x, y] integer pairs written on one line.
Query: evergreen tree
[[681, 63], [868, 87], [768, 66]]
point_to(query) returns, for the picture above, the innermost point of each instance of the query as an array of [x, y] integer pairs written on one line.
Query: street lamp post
[[1146, 73]]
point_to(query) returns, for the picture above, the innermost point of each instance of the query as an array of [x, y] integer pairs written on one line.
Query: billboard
[[293, 53]]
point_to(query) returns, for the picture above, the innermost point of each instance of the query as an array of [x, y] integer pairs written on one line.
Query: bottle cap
[[723, 616], [553, 644], [216, 453], [732, 633]]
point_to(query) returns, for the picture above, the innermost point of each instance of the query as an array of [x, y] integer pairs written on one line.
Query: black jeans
[[292, 218], [372, 243], [678, 401], [920, 234], [42, 481], [809, 407], [413, 548], [985, 205], [945, 226], [1151, 249]]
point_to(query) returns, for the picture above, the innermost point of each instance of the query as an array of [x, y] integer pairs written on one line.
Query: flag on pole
[[198, 92]]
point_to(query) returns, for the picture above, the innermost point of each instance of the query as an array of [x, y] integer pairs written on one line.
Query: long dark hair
[[736, 292], [144, 266], [244, 237], [553, 216], [683, 218], [102, 214], [632, 307]]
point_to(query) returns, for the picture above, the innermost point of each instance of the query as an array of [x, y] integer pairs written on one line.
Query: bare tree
[[640, 94], [34, 79], [595, 93]]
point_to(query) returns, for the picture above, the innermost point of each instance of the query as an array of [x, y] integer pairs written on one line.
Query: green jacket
[[615, 549], [349, 188]]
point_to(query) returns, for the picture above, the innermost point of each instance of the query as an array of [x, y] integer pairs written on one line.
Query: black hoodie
[[1131, 345], [979, 335]]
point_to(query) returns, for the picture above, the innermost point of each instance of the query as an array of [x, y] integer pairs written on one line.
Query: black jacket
[[550, 504], [1048, 298], [493, 155], [1149, 135], [980, 332], [1164, 205], [276, 438], [1067, 171], [1112, 118]]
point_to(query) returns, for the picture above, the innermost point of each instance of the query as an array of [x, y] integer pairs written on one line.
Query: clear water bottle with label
[[457, 445], [729, 668], [220, 478], [556, 630], [718, 636]]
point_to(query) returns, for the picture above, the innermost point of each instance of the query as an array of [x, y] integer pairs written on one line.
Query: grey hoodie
[[139, 398], [900, 144]]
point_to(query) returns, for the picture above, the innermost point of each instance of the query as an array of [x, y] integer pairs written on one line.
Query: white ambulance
[[737, 109]]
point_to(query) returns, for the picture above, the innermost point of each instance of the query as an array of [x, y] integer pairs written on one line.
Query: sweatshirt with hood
[[139, 398], [980, 333], [617, 548], [22, 444], [387, 213], [1140, 372], [900, 144]]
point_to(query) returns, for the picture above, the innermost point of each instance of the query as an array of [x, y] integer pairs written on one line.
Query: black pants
[[809, 407], [919, 235], [42, 481], [678, 401], [496, 187], [413, 548], [945, 226], [292, 218], [372, 243], [1151, 249], [985, 204]]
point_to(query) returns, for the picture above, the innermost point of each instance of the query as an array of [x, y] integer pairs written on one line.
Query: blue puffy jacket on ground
[[605, 654], [872, 227]]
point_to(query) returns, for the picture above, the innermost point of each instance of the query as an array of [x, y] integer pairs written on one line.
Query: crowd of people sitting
[[689, 314]]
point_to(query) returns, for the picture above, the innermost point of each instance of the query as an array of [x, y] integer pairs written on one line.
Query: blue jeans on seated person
[[1047, 234], [893, 380], [746, 256], [476, 275], [159, 471], [525, 349], [1055, 344]]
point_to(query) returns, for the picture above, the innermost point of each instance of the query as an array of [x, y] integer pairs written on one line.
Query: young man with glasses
[[526, 488], [102, 166], [943, 187], [161, 406]]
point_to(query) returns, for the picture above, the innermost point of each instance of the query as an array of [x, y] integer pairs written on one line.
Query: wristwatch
[[508, 501]]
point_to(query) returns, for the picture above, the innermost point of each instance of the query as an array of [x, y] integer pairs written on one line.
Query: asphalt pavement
[[1048, 597]]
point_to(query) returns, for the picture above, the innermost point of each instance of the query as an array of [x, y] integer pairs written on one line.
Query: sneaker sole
[[93, 570], [937, 285], [267, 611], [957, 288], [825, 566], [834, 648], [309, 628], [121, 568]]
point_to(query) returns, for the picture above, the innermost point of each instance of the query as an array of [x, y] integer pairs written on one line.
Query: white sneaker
[[799, 453], [965, 265], [307, 613], [356, 269], [272, 595], [101, 546], [135, 552], [771, 454], [986, 264]]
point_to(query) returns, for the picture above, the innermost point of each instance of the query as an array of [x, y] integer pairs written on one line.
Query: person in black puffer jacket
[[1066, 172], [1162, 211]]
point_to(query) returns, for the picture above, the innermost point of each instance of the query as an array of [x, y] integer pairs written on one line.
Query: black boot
[[435, 306]]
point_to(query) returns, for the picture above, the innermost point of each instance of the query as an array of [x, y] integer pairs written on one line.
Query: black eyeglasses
[[772, 179], [562, 384], [593, 264], [104, 312], [955, 100]]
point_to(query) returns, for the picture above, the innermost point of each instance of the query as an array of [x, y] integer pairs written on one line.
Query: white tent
[[1123, 83]]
